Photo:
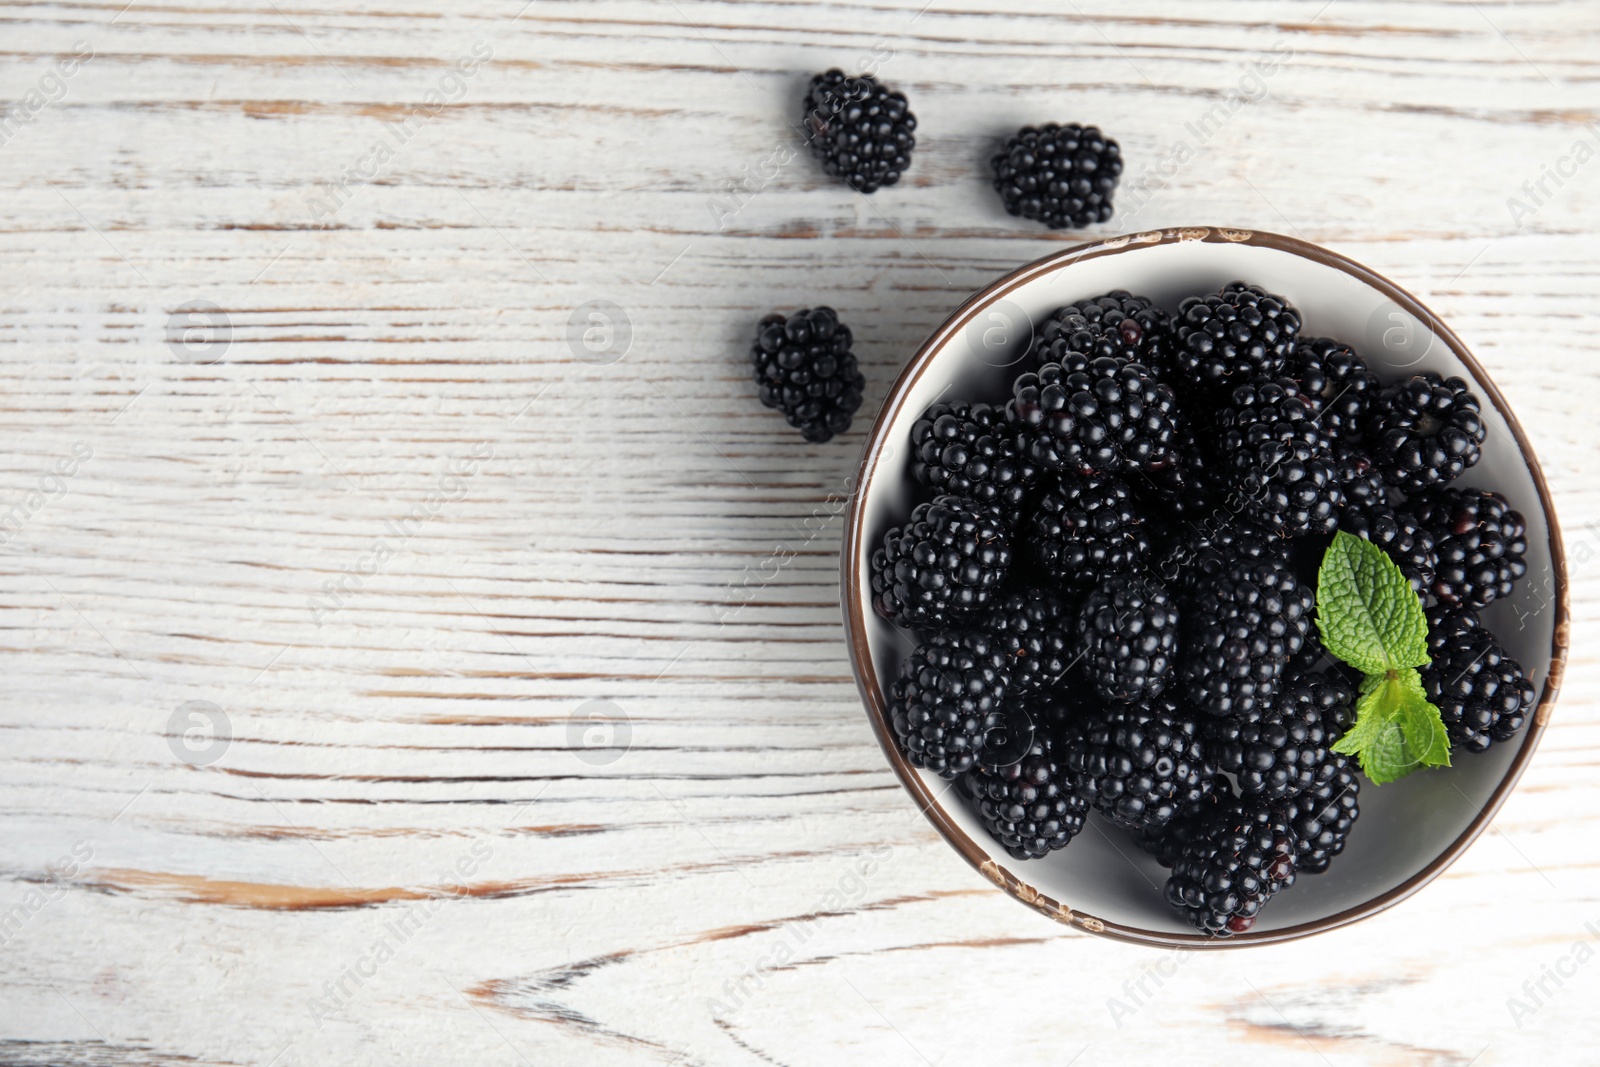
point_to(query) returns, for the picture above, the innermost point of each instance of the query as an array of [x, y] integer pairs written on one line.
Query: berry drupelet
[[1277, 458], [1029, 806], [1241, 333], [1232, 866], [970, 450], [948, 697], [1240, 630], [1035, 631], [1337, 384], [1481, 692], [1095, 416], [1120, 324], [1061, 175], [1425, 431], [804, 368], [1083, 529], [860, 131], [1401, 535], [1139, 766], [1480, 544], [1128, 638], [943, 566]]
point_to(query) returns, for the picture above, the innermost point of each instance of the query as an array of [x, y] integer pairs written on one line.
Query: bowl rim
[[856, 606]]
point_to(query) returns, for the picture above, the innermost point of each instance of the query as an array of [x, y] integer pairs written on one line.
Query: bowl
[[1409, 831]]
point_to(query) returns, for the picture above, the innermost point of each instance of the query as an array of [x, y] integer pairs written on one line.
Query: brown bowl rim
[[855, 603]]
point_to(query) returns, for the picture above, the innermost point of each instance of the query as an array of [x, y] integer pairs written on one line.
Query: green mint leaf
[[1396, 729], [1367, 613]]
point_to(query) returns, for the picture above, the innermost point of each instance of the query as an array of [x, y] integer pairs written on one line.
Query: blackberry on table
[[804, 368], [1035, 630], [1083, 529], [1336, 382], [1425, 431], [1061, 175], [1095, 416], [1120, 324], [1228, 338], [1128, 638], [860, 131], [1321, 817], [1029, 806], [1231, 867], [943, 566], [1240, 631], [1401, 535], [1278, 459], [1481, 692], [970, 450], [947, 698], [1480, 545], [1140, 766]]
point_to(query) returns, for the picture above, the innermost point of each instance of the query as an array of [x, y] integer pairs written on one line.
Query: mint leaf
[[1396, 729], [1367, 613]]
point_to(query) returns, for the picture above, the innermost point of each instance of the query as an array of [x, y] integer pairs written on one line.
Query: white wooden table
[[334, 543]]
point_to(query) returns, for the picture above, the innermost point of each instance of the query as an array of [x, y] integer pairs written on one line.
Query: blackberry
[[1321, 817], [1399, 534], [1028, 806], [947, 699], [1120, 324], [1166, 842], [1481, 692], [804, 368], [1060, 175], [1240, 629], [1082, 530], [970, 450], [1479, 543], [1140, 766], [1191, 487], [1208, 548], [1231, 867], [859, 130], [1275, 753], [1337, 383], [941, 567], [1240, 333], [1095, 416], [1128, 638], [1359, 478], [1330, 696], [1035, 631], [1278, 459], [1425, 431]]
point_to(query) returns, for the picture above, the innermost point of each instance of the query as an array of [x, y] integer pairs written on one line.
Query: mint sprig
[[1370, 618]]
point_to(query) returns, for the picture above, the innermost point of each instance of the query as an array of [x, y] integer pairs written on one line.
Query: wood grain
[[411, 851]]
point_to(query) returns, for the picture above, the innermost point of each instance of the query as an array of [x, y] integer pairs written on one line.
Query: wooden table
[[409, 659]]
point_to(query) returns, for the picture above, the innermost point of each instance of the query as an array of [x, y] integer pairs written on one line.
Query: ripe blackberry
[[1359, 478], [943, 566], [1401, 535], [1166, 842], [859, 130], [1425, 431], [1120, 324], [1035, 631], [947, 699], [1337, 383], [1481, 692], [1278, 459], [1208, 548], [1060, 175], [970, 450], [1275, 753], [1479, 543], [1322, 816], [1240, 629], [804, 368], [1128, 638], [1095, 416], [1140, 766], [1329, 695], [1192, 487], [1083, 529], [1232, 866], [1243, 332], [1029, 806]]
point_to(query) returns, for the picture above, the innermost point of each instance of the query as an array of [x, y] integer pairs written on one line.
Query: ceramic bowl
[[1409, 831]]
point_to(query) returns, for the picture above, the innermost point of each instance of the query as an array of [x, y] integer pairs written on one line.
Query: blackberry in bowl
[[1211, 755]]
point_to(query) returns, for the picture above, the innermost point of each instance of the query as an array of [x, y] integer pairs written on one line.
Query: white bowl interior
[[1403, 826]]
